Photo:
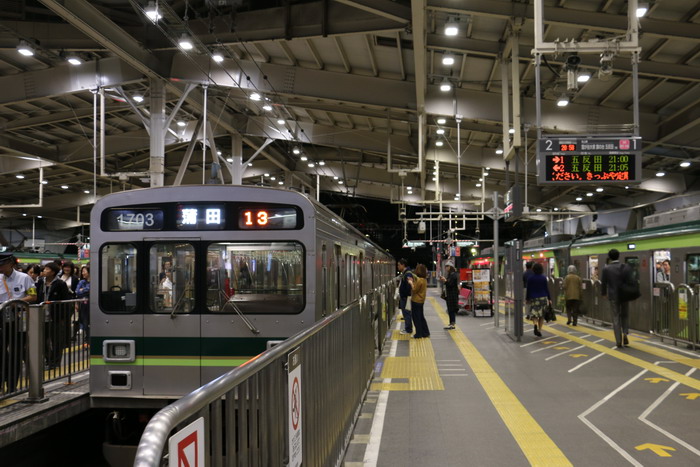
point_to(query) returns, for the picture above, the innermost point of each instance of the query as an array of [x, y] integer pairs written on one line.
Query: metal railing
[[246, 410], [40, 343], [676, 313]]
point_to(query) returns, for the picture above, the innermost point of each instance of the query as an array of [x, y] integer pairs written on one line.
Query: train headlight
[[119, 351]]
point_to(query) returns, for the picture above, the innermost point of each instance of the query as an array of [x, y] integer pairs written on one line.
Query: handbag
[[549, 314], [408, 304], [443, 294]]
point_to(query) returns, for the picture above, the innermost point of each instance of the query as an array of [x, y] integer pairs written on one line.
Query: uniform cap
[[6, 256]]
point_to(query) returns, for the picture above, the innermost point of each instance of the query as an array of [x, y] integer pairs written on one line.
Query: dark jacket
[[613, 275], [537, 287], [404, 286], [526, 276], [58, 290], [452, 290]]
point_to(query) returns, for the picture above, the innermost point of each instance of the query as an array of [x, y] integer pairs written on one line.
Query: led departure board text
[[590, 168]]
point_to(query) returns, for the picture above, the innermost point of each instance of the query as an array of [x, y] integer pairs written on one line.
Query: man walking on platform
[[15, 285], [405, 293], [613, 276]]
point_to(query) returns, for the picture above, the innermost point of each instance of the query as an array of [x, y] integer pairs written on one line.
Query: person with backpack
[[615, 280], [405, 278]]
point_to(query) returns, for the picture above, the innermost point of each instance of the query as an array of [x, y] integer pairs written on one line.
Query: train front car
[[189, 282]]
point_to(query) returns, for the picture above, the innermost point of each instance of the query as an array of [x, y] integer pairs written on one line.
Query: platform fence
[[38, 344], [246, 412]]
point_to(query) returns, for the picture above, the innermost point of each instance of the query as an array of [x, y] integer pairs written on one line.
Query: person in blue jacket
[[537, 296], [405, 276]]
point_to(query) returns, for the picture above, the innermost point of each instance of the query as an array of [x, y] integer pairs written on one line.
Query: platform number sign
[[295, 405], [576, 159], [186, 447]]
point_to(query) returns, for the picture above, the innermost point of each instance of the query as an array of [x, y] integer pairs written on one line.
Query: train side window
[[118, 278], [255, 277], [692, 272], [172, 278], [324, 282]]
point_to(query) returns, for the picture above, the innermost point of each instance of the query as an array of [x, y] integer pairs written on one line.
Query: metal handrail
[[154, 438]]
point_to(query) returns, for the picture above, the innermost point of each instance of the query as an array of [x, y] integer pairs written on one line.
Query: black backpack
[[628, 290]]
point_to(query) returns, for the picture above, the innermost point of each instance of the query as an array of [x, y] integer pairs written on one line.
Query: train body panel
[[177, 302]]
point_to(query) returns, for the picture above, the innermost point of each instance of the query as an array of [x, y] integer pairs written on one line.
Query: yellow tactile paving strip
[[537, 446], [419, 368]]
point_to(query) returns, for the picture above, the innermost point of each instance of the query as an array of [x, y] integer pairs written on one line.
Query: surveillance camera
[[572, 61]]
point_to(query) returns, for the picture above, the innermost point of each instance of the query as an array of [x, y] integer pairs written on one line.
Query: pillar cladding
[[237, 156], [157, 167]]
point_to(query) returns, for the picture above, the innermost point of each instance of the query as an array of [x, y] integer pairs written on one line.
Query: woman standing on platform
[[419, 287], [572, 294], [538, 297], [451, 293]]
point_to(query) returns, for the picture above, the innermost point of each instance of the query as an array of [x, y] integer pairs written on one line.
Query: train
[[666, 254], [192, 281]]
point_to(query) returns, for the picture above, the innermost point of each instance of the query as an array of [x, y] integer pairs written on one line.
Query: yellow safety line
[[650, 349], [537, 446], [622, 355], [419, 368]]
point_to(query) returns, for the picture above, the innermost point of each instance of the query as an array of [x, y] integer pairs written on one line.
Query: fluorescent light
[[74, 60], [538, 209], [65, 187], [273, 178], [439, 143], [599, 189], [499, 150], [280, 182], [589, 194], [321, 163], [296, 150], [185, 42], [451, 27], [152, 12], [87, 192], [255, 97], [448, 59], [563, 101], [310, 164], [578, 198], [44, 182], [478, 185], [267, 107], [340, 182], [304, 158], [660, 174], [445, 85], [20, 176], [137, 98], [266, 174], [441, 121], [218, 57], [181, 123], [440, 131], [642, 9], [218, 153], [685, 164], [25, 49], [229, 159], [335, 177], [556, 209], [280, 121], [583, 77]]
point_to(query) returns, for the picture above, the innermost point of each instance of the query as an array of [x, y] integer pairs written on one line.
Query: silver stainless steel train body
[[191, 281]]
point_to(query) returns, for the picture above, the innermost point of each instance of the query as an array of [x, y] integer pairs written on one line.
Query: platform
[[474, 396]]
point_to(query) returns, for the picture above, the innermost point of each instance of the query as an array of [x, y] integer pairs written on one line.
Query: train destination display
[[572, 159]]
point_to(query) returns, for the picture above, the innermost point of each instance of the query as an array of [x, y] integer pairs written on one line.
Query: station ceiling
[[342, 81]]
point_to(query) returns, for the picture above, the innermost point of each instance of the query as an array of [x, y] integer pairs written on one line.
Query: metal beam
[[383, 8]]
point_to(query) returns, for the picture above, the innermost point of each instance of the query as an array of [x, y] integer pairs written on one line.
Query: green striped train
[[189, 282], [669, 253]]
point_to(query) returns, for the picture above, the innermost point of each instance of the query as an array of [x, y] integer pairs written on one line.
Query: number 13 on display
[[255, 218]]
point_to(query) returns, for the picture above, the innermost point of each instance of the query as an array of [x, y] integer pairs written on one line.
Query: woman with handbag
[[538, 297], [419, 287], [572, 294], [451, 293]]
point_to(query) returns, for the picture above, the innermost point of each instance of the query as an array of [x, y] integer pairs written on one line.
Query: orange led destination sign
[[594, 159]]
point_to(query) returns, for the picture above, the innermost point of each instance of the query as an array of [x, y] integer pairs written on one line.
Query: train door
[[692, 269], [325, 286], [171, 328], [338, 277]]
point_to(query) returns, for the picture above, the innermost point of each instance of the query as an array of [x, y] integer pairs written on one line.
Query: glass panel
[[255, 277], [118, 278], [693, 270], [633, 261], [593, 270], [171, 275], [662, 263]]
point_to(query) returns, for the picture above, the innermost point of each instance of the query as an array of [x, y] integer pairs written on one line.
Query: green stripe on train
[[96, 360], [188, 346], [644, 244]]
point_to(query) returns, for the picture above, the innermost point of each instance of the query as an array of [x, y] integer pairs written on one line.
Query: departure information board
[[577, 159]]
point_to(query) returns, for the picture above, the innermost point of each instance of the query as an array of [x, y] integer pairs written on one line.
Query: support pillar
[[157, 167], [237, 156]]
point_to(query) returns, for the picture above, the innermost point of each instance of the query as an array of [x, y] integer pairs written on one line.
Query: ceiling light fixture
[[280, 121], [451, 27], [660, 174], [25, 49], [642, 9], [441, 121], [74, 60], [310, 164], [445, 85], [185, 42], [255, 97], [152, 12], [44, 182], [181, 123], [280, 182], [583, 77], [304, 158], [267, 107], [340, 182], [439, 143], [440, 131], [229, 159], [321, 163], [137, 98], [511, 131], [538, 209], [589, 194], [87, 192], [65, 187], [478, 185], [563, 101], [217, 56], [266, 174], [578, 198], [599, 189], [335, 177], [685, 164], [448, 59], [296, 150], [499, 150], [20, 176]]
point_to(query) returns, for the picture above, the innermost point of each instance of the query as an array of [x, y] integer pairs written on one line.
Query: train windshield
[[259, 277], [172, 277]]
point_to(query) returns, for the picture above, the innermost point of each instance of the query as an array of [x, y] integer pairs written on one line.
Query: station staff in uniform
[[15, 285]]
